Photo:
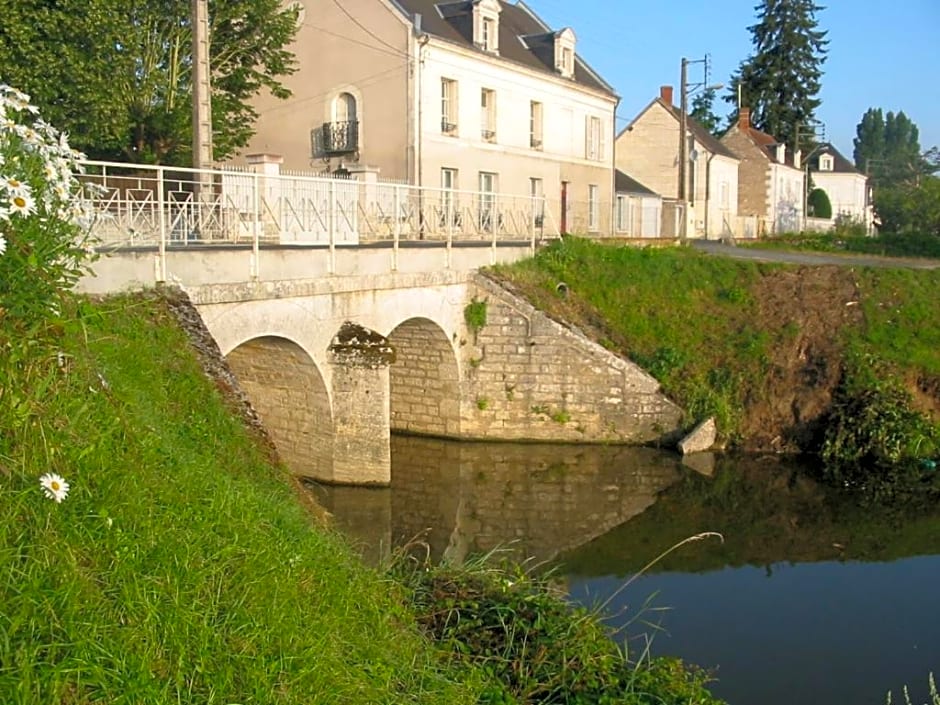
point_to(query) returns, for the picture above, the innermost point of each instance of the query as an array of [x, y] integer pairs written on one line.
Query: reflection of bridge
[[339, 342]]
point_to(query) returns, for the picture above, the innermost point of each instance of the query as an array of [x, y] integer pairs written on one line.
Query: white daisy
[[22, 204], [54, 486], [3, 245], [14, 186]]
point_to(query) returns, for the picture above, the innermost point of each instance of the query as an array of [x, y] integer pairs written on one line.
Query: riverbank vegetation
[[852, 238], [841, 362]]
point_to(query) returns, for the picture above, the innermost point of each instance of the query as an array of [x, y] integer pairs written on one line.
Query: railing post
[[397, 236], [331, 219], [161, 251], [255, 268], [450, 230], [494, 223]]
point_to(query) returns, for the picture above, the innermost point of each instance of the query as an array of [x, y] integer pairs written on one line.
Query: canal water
[[813, 596]]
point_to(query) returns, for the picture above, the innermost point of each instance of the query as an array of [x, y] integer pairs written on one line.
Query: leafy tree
[[888, 148], [910, 209], [703, 111], [819, 204], [117, 74], [779, 82]]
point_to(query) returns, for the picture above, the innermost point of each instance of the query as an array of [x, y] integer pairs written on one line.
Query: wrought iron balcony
[[334, 139], [448, 128]]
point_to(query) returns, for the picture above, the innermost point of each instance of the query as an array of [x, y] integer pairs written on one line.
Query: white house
[[648, 150], [846, 188], [474, 95], [639, 210]]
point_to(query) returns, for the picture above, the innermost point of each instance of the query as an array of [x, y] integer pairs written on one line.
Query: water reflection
[[812, 597], [466, 498]]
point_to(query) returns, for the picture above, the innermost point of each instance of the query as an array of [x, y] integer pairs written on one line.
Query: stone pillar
[[268, 166], [361, 412]]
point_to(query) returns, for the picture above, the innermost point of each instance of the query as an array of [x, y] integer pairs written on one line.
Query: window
[[535, 125], [487, 196], [449, 107], [594, 143], [622, 213], [564, 52], [450, 211], [344, 108], [825, 162], [537, 192], [594, 208], [567, 61], [488, 115], [489, 34]]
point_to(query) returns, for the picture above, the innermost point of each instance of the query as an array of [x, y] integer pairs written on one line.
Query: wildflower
[[3, 245], [14, 186], [22, 204], [54, 486]]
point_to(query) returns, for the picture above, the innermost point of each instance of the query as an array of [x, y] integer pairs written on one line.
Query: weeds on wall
[[474, 315]]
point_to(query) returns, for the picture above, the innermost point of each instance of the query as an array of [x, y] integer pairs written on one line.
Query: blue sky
[[881, 54]]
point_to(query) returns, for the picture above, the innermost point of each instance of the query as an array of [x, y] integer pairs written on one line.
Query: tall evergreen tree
[[703, 111], [779, 82], [887, 146]]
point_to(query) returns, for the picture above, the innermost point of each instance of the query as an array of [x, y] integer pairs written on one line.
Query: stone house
[[770, 177], [648, 150], [846, 187], [472, 95]]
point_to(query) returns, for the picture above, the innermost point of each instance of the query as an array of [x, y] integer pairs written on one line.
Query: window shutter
[[587, 137], [602, 150]]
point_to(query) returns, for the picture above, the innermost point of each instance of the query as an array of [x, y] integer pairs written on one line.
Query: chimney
[[798, 158], [781, 153], [744, 119], [665, 93]]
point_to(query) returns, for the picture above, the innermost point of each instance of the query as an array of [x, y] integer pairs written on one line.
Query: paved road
[[848, 260]]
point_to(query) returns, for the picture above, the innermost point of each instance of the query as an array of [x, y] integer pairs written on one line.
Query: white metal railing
[[154, 206]]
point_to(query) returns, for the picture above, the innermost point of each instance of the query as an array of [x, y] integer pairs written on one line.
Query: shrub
[[819, 204]]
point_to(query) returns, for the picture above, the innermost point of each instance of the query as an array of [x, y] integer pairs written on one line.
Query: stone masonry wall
[[286, 389], [526, 376], [424, 381], [753, 174]]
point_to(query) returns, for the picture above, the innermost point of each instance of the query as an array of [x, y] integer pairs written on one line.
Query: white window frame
[[594, 139], [487, 211], [536, 124], [488, 29], [622, 212], [449, 106], [594, 208], [488, 114], [450, 209]]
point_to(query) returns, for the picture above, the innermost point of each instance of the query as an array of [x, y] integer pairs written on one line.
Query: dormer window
[[826, 162], [486, 25], [564, 52]]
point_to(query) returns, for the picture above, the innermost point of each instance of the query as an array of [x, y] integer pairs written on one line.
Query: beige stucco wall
[[566, 108], [334, 55]]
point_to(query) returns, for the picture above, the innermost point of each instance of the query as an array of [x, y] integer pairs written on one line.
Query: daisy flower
[[22, 204], [54, 486], [14, 186], [3, 245]]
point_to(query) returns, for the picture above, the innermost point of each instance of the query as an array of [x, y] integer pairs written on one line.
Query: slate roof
[[624, 183], [840, 165], [523, 37]]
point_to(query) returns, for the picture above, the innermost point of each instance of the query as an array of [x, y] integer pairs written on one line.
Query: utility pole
[[202, 96], [684, 90]]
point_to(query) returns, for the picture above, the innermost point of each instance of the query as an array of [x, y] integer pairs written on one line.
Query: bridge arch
[[287, 389], [424, 380]]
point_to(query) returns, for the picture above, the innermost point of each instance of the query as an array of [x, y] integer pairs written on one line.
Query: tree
[[703, 111], [117, 74], [887, 147], [779, 82]]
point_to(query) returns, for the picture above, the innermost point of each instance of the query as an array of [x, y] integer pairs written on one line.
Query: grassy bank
[[181, 566], [851, 240], [762, 347]]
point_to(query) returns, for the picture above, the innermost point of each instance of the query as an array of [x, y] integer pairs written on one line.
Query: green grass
[[690, 319], [921, 245], [181, 567]]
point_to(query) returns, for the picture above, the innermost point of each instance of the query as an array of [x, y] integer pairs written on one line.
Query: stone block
[[701, 438]]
